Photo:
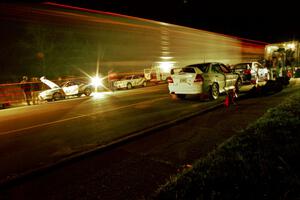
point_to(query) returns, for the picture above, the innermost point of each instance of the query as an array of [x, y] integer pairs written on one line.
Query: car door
[[262, 71], [139, 80], [71, 88], [217, 76], [134, 80], [230, 77]]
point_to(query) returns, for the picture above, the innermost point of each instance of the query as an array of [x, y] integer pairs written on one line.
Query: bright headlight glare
[[96, 81]]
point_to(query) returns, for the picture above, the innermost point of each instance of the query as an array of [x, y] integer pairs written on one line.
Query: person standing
[[26, 87], [35, 89]]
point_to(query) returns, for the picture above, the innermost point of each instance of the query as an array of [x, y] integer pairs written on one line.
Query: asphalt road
[[35, 136], [136, 169]]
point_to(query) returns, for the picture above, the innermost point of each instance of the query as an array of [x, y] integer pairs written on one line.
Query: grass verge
[[260, 163]]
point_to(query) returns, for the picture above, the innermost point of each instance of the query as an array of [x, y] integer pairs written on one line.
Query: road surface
[[34, 136], [136, 169]]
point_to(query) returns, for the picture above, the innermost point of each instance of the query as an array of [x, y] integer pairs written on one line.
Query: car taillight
[[170, 80], [199, 78], [247, 71]]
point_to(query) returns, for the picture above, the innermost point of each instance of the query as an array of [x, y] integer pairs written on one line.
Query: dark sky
[[268, 21]]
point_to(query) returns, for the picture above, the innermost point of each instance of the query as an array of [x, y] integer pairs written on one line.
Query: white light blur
[[291, 46], [166, 57], [100, 95], [271, 48], [96, 81], [166, 66]]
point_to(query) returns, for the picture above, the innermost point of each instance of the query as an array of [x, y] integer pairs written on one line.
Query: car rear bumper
[[193, 89]]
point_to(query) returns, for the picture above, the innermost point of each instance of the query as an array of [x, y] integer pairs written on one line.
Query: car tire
[[129, 86], [238, 85], [57, 96], [87, 92], [214, 91], [180, 96]]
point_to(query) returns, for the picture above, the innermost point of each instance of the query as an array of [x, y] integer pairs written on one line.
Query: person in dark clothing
[[35, 90], [26, 87]]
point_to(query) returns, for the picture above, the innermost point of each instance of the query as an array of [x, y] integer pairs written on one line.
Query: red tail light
[[247, 71], [199, 78], [170, 80]]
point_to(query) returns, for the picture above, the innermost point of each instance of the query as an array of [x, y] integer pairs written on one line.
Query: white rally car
[[205, 78], [68, 88], [130, 82]]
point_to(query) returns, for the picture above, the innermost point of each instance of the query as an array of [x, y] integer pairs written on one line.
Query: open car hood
[[49, 83]]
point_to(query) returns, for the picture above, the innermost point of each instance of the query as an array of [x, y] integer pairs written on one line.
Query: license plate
[[183, 80]]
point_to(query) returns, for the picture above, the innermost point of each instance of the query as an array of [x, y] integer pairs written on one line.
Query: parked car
[[205, 78], [251, 72], [68, 88], [130, 82]]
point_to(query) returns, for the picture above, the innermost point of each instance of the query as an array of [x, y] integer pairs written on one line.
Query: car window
[[188, 70], [224, 69], [71, 83], [242, 66], [175, 70], [203, 67], [216, 68], [260, 65]]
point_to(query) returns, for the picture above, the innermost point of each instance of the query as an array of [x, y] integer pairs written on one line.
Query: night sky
[[268, 21]]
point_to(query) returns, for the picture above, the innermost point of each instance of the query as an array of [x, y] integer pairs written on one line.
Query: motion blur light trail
[[71, 38]]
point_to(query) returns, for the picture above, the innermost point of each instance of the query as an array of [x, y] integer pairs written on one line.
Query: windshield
[[203, 67], [242, 66]]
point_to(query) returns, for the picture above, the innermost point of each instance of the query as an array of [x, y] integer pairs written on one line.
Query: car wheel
[[87, 92], [214, 91], [57, 96], [180, 96], [145, 84], [238, 85], [129, 86]]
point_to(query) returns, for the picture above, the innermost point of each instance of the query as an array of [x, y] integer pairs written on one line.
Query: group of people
[[31, 89]]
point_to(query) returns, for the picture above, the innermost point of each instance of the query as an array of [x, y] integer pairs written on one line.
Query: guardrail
[[11, 93]]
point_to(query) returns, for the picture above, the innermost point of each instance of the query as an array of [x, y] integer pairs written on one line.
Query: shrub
[[262, 162]]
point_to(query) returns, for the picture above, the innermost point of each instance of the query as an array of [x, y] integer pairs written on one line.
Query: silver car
[[205, 78], [130, 82], [68, 88]]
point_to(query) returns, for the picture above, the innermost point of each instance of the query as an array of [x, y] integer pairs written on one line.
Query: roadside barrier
[[11, 93]]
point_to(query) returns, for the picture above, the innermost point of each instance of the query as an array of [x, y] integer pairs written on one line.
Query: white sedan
[[205, 78], [130, 82], [68, 88]]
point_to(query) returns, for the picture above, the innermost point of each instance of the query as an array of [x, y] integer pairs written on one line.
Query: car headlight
[[96, 81]]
